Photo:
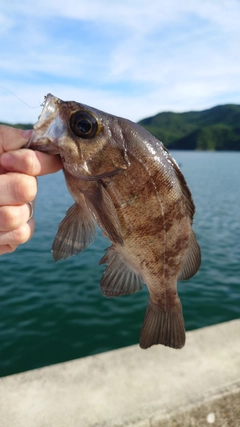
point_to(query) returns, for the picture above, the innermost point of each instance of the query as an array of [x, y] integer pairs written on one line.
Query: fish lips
[[49, 130], [42, 143]]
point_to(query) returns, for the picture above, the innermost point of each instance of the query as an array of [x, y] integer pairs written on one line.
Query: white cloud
[[129, 59]]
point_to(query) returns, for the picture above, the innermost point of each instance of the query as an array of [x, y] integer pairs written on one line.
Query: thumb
[[12, 138]]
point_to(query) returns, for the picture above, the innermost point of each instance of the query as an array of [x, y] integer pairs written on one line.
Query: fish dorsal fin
[[75, 232], [183, 184], [192, 259], [103, 210], [119, 278]]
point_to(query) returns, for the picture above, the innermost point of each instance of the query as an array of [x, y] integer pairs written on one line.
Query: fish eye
[[84, 124]]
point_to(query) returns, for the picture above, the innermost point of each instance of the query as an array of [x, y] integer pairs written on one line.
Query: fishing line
[[14, 94]]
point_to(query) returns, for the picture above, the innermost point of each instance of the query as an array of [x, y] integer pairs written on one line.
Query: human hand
[[18, 185]]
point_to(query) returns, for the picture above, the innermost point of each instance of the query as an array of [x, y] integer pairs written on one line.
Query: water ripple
[[55, 312]]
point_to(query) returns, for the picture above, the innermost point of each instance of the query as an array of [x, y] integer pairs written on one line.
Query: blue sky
[[129, 58]]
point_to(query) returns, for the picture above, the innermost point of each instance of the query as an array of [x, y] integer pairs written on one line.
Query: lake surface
[[52, 312]]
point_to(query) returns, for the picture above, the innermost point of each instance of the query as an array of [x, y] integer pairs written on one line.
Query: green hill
[[215, 129], [19, 125]]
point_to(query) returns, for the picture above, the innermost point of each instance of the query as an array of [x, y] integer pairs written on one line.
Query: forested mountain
[[217, 128], [19, 125]]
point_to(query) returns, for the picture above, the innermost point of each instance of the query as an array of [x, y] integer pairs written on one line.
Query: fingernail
[[26, 133], [7, 160]]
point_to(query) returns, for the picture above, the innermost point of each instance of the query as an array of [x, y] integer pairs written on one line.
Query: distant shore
[[215, 129]]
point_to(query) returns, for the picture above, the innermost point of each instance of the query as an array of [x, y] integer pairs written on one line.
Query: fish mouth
[[50, 108], [49, 127], [42, 143]]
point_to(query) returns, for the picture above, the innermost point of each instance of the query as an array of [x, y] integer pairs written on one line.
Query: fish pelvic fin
[[163, 327], [119, 278], [75, 232], [192, 259]]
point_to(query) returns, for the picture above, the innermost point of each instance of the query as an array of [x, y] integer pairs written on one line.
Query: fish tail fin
[[163, 326]]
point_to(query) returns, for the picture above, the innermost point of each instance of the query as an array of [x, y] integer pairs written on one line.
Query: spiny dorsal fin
[[183, 184], [75, 232], [119, 278], [192, 259], [163, 327]]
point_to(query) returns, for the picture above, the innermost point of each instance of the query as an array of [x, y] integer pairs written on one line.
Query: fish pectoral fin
[[76, 231], [101, 205], [192, 260], [163, 327], [119, 278]]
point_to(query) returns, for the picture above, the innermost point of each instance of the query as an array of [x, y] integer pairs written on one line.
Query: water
[[55, 312]]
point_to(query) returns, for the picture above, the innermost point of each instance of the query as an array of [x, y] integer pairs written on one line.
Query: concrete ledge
[[196, 386]]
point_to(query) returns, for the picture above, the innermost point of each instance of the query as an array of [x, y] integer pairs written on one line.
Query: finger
[[18, 236], [17, 189], [31, 162], [5, 249], [12, 138], [13, 217]]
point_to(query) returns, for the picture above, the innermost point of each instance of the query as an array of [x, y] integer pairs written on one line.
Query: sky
[[131, 58]]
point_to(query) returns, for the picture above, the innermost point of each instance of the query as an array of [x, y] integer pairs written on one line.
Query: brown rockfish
[[124, 180]]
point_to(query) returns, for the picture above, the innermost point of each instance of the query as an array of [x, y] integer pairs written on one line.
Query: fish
[[125, 181]]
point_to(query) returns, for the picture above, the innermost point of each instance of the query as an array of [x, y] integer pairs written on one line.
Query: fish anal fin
[[75, 232], [163, 326], [119, 278], [192, 259], [101, 205]]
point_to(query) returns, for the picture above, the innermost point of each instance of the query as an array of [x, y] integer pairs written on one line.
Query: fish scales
[[156, 235], [124, 179]]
